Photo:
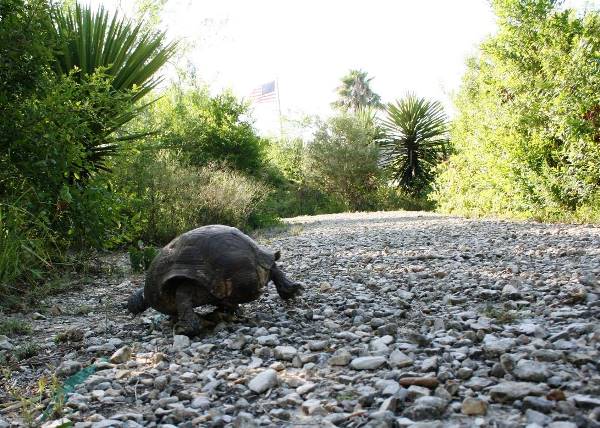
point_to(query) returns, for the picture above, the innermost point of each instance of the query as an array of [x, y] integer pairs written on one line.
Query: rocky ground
[[408, 319]]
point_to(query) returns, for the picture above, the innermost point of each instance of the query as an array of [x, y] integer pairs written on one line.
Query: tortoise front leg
[[285, 287], [188, 322]]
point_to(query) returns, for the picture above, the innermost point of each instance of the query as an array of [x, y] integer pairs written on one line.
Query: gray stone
[[510, 391], [286, 353], [69, 367], [180, 342], [367, 363], [313, 407], [399, 359], [263, 381], [535, 417], [340, 358], [531, 371]]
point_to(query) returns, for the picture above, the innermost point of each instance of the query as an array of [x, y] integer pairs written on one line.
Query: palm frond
[[415, 140]]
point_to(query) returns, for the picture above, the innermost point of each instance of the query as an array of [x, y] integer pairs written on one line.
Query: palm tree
[[355, 92], [128, 55], [415, 140]]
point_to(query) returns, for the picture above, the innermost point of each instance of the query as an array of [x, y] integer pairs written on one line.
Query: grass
[[13, 326], [25, 351]]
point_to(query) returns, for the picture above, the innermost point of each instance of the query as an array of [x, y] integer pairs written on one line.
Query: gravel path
[[408, 319]]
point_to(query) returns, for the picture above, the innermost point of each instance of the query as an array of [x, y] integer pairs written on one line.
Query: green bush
[[526, 134], [343, 161], [204, 129], [169, 197]]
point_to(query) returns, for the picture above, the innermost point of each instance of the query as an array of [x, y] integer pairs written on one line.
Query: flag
[[264, 93]]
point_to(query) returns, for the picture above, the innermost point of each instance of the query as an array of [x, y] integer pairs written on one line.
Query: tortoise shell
[[227, 266]]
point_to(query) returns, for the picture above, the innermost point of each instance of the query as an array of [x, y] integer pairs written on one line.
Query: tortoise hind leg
[[187, 320], [285, 287]]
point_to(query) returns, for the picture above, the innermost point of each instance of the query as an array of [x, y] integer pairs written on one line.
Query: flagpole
[[279, 108]]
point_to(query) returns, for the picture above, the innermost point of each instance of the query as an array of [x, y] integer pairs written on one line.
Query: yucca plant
[[102, 47], [129, 54], [415, 140]]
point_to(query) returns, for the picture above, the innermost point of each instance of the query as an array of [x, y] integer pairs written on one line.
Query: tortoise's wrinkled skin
[[212, 265]]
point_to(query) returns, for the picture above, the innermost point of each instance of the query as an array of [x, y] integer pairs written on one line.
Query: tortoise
[[211, 265]]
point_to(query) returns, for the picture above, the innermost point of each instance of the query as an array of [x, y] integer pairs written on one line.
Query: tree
[[415, 141], [343, 160], [206, 129], [355, 92], [527, 129]]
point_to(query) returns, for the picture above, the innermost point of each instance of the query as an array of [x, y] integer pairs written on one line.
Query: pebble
[[121, 355], [407, 319], [263, 381], [367, 363]]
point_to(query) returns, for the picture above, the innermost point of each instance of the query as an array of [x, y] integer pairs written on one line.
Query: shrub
[[204, 129], [170, 198], [526, 132], [343, 161]]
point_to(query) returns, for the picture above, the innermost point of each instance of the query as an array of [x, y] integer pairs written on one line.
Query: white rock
[[180, 342], [121, 355], [263, 381]]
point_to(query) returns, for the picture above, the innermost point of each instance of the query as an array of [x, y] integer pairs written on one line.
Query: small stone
[[121, 355], [306, 388], [493, 345], [399, 359], [511, 292], [313, 407], [561, 424], [535, 417], [180, 342], [474, 406], [428, 382], [538, 403], [188, 377], [5, 344], [510, 391], [268, 340], [317, 345], [69, 367], [286, 353], [531, 371], [200, 402], [57, 423], [340, 358], [367, 363], [263, 381], [38, 316]]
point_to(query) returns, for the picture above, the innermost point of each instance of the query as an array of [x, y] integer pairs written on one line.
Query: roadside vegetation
[[96, 155]]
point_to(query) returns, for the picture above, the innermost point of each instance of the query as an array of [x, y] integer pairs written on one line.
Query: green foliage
[[26, 247], [170, 198], [130, 55], [527, 133], [414, 142], [128, 58], [141, 257], [13, 326], [355, 92], [205, 129], [343, 161]]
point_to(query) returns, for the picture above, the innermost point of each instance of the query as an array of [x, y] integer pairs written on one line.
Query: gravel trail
[[407, 320]]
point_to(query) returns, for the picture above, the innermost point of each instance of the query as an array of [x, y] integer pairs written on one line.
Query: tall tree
[[355, 92], [415, 140]]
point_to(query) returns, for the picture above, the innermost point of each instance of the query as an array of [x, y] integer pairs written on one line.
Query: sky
[[308, 45]]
